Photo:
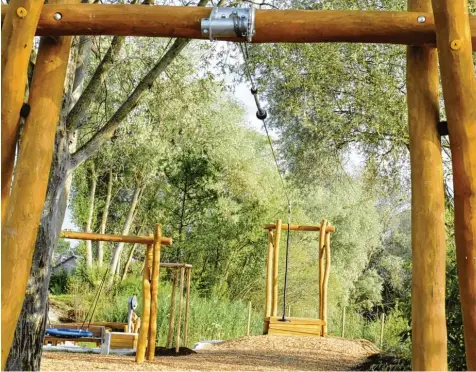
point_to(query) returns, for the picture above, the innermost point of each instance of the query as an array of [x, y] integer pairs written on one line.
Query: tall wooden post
[[179, 321], [269, 276], [22, 215], [320, 253], [170, 335], [18, 30], [326, 282], [145, 317], [154, 290], [277, 237], [459, 91], [248, 327], [187, 307], [428, 225]]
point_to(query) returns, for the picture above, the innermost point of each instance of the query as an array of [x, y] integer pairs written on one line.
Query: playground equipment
[[287, 326], [444, 23]]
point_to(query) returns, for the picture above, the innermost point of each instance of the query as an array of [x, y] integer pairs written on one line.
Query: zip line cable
[[261, 114]]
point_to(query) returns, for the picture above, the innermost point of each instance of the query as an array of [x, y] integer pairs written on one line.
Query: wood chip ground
[[254, 353]]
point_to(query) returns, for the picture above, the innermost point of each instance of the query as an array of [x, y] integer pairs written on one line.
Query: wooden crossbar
[[113, 238], [284, 226], [292, 26]]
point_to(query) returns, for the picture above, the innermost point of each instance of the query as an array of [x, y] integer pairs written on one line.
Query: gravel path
[[254, 353]]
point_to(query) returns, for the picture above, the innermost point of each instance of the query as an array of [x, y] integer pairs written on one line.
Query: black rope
[[261, 114]]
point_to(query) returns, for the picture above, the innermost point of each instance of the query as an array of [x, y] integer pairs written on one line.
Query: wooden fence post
[[453, 39], [187, 307], [343, 322], [382, 326], [154, 293], [249, 319], [170, 336], [326, 281], [275, 268], [145, 317], [320, 254], [179, 321], [269, 276]]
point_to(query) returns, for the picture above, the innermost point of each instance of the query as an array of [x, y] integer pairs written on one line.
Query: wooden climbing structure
[[281, 325], [444, 24]]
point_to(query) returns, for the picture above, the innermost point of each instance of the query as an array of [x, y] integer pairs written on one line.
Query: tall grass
[[209, 318]]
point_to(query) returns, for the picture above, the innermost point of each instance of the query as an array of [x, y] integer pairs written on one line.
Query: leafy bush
[[59, 282]]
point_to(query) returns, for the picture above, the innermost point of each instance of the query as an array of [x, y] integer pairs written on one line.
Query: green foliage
[[59, 282]]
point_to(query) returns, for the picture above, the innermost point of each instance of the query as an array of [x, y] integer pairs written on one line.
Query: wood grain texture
[[277, 238], [293, 26], [154, 293], [269, 275], [320, 255], [187, 308], [459, 93], [145, 316], [325, 284], [21, 214], [17, 41], [429, 346], [114, 238], [179, 318], [284, 226]]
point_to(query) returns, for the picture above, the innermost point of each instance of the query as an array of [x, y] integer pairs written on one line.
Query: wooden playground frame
[[296, 326], [150, 288], [444, 23]]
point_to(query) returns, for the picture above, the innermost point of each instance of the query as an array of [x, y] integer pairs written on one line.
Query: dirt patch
[[254, 353]]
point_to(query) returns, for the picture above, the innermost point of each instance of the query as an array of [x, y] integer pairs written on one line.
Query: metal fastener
[[57, 16], [205, 31], [455, 44], [21, 12], [421, 19]]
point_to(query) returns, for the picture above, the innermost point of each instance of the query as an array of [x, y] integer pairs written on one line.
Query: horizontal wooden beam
[[293, 26], [284, 226], [113, 238], [172, 265]]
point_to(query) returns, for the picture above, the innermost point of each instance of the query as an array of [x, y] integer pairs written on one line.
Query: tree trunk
[[89, 246], [129, 261], [125, 231], [25, 353], [105, 214]]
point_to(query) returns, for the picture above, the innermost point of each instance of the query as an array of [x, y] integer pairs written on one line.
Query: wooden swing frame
[[296, 326], [150, 288], [444, 23]]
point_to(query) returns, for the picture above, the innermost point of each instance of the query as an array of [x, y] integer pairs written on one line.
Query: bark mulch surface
[[254, 353]]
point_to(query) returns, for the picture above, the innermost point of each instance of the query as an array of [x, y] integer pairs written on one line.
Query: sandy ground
[[254, 353]]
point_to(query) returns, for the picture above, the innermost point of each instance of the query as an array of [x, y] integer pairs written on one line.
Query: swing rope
[[261, 114], [92, 309]]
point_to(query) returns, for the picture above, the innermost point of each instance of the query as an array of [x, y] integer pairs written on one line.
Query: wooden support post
[[326, 282], [320, 254], [277, 237], [145, 317], [179, 320], [18, 30], [21, 216], [170, 336], [154, 290], [187, 307], [428, 210], [382, 326], [248, 328], [269, 276], [459, 91], [343, 322]]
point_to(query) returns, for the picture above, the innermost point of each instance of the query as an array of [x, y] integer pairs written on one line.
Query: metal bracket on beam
[[229, 22]]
